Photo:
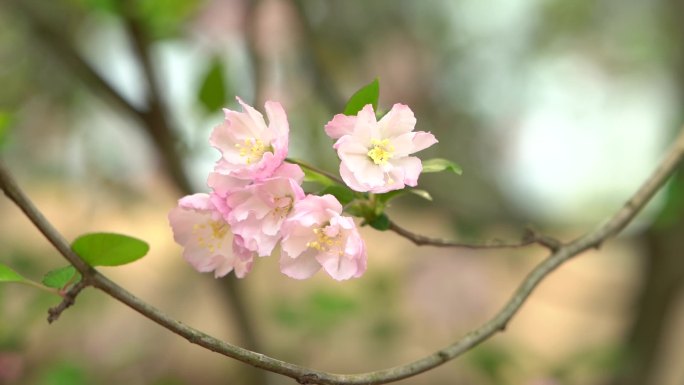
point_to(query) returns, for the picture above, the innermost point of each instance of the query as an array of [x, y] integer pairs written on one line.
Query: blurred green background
[[556, 110]]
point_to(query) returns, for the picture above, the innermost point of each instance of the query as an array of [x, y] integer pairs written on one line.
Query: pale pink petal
[[411, 167], [423, 140], [224, 184], [277, 119], [366, 127], [350, 179], [252, 119], [293, 245], [399, 120], [302, 267], [199, 201], [340, 125], [339, 268], [289, 170]]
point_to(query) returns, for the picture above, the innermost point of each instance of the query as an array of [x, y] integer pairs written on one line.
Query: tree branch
[[529, 238], [309, 376]]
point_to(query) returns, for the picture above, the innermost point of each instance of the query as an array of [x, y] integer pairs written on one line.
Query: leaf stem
[[317, 170]]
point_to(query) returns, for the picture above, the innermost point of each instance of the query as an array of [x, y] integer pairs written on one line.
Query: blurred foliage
[[213, 93], [64, 373], [368, 94], [163, 19], [6, 122], [492, 360], [319, 313], [673, 209]]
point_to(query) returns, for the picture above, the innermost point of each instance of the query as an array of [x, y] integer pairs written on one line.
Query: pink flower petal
[[302, 267], [340, 125], [399, 120]]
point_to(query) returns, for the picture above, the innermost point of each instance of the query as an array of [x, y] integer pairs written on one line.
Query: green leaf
[[109, 249], [343, 194], [421, 193], [6, 120], [381, 222], [388, 196], [439, 164], [368, 94], [314, 177], [58, 278], [9, 275], [212, 92]]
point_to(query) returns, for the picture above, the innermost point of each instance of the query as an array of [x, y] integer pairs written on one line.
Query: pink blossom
[[256, 212], [375, 154], [206, 238], [249, 148], [315, 235]]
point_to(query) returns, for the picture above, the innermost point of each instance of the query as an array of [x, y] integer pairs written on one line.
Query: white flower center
[[381, 152], [326, 242], [212, 239], [252, 149], [283, 206]]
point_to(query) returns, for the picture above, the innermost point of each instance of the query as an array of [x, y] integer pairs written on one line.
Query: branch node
[[309, 379], [532, 236], [68, 301]]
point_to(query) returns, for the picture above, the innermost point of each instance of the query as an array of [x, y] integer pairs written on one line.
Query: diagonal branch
[[305, 375], [529, 238]]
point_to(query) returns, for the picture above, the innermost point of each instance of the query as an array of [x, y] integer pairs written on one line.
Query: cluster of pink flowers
[[256, 199]]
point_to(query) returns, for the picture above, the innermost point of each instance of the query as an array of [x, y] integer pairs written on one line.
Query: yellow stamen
[[381, 152], [253, 149], [324, 242]]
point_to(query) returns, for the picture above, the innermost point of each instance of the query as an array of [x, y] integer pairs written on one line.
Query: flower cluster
[[257, 202]]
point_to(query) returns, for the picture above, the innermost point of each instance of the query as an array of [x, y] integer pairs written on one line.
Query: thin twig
[[68, 300], [309, 376], [529, 238], [317, 170]]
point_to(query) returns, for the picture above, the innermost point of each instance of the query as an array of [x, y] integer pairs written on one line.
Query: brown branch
[[530, 237], [309, 376], [155, 122], [68, 300]]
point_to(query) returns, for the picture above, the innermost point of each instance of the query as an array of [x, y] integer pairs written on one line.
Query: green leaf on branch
[[386, 197], [439, 164], [109, 249], [421, 193], [61, 277], [212, 91], [381, 222], [343, 194], [9, 275], [368, 94]]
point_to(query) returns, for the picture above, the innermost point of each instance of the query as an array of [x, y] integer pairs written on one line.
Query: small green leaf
[[388, 196], [421, 193], [109, 249], [212, 92], [9, 275], [314, 177], [439, 164], [59, 278], [343, 194], [6, 121], [368, 94], [381, 222]]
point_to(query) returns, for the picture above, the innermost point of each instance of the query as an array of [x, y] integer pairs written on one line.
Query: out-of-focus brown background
[[555, 109]]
